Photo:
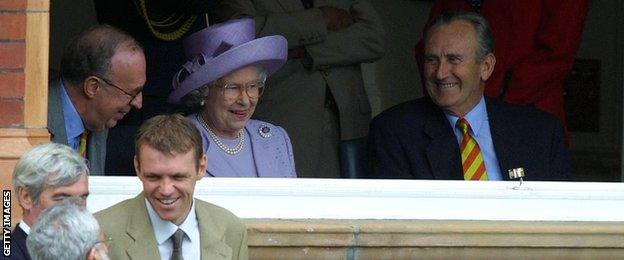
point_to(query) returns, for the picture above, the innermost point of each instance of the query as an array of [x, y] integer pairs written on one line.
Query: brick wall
[[24, 40], [12, 61]]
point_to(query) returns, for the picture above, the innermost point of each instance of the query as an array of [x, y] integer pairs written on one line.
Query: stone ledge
[[406, 239]]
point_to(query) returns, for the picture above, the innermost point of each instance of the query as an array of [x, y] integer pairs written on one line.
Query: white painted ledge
[[266, 198]]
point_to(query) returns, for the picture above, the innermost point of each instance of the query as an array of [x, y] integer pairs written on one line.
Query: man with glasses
[[102, 76]]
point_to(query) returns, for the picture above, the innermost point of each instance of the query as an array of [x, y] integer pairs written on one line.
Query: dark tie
[[307, 4], [177, 239]]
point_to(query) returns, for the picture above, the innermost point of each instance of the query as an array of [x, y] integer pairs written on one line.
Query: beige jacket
[[222, 235]]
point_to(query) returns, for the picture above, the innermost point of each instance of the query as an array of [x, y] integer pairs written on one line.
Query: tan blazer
[[295, 95], [222, 235]]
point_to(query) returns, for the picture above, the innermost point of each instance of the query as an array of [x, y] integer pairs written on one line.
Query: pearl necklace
[[231, 151]]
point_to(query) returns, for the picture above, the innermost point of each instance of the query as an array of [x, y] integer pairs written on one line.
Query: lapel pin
[[265, 131]]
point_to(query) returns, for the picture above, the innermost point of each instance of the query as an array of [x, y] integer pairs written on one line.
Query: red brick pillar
[[24, 40], [13, 57]]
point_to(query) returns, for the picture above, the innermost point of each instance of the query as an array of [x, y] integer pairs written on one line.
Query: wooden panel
[[38, 5], [36, 68], [13, 143]]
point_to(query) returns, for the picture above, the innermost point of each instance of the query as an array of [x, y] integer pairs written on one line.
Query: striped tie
[[82, 147], [472, 159]]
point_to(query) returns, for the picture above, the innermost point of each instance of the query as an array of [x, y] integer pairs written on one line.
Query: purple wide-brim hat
[[219, 50]]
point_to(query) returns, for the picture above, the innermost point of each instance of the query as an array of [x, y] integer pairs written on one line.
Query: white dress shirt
[[24, 227], [163, 230]]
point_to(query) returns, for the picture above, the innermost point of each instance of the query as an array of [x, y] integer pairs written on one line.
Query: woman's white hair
[[48, 165]]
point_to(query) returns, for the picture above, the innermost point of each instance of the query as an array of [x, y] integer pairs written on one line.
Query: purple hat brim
[[273, 54]]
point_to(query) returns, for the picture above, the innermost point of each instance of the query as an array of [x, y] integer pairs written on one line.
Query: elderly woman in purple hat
[[223, 80]]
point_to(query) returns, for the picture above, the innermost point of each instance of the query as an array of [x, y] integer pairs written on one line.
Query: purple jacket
[[273, 155]]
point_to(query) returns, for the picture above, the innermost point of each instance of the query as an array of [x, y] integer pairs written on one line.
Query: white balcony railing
[[391, 199]]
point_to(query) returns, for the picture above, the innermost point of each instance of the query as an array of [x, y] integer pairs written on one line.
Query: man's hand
[[336, 18]]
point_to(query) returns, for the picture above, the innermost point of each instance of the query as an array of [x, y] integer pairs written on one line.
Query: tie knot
[[463, 125]]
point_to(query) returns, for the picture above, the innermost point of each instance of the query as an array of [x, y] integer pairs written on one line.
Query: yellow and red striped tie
[[472, 158], [82, 148]]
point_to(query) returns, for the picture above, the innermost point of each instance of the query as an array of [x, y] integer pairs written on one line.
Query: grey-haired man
[[67, 230], [44, 176]]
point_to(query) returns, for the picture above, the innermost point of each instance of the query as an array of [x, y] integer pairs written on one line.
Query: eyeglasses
[[132, 97], [253, 89]]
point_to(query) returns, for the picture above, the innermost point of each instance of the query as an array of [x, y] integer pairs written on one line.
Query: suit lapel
[[502, 131], [140, 229], [56, 120], [97, 152], [210, 235], [19, 240], [443, 150]]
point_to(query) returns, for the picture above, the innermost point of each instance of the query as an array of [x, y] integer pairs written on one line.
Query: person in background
[[159, 26], [102, 76], [456, 132], [166, 221], [318, 96], [223, 82], [536, 42], [67, 230], [44, 176]]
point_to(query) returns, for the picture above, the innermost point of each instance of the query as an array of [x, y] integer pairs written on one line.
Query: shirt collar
[[24, 227], [73, 124], [475, 117], [163, 229]]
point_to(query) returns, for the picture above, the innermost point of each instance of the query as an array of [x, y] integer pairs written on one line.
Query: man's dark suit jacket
[[18, 244], [414, 140]]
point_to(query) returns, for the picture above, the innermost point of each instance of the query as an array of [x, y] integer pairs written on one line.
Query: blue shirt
[[73, 123], [480, 131]]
